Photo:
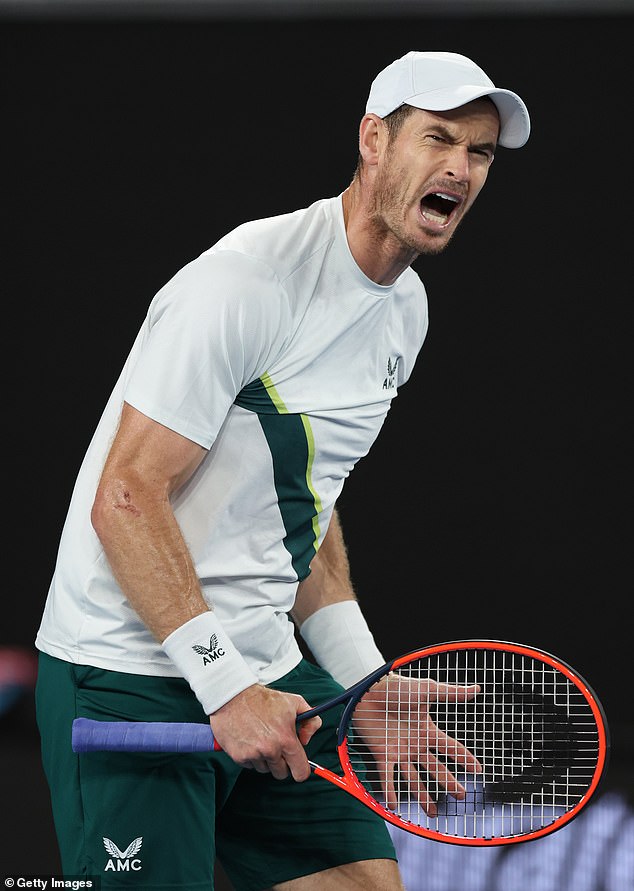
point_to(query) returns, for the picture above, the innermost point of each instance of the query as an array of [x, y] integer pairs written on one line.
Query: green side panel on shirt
[[290, 439]]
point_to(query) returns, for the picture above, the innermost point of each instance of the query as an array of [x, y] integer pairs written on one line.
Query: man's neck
[[375, 249]]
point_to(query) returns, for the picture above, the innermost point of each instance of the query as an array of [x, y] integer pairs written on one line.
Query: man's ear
[[372, 136]]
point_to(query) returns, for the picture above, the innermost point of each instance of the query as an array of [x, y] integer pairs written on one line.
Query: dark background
[[497, 501]]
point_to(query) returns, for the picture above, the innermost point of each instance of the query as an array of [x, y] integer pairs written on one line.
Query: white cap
[[442, 81]]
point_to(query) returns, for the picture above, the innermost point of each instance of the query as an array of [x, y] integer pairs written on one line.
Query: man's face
[[430, 174]]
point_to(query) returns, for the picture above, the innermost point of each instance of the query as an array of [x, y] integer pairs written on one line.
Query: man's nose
[[458, 163]]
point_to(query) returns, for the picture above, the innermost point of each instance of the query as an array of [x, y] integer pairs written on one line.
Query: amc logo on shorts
[[123, 861]]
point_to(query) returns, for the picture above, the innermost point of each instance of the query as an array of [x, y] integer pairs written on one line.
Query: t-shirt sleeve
[[212, 329]]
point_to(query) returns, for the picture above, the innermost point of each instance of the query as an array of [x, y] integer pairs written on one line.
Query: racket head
[[536, 727]]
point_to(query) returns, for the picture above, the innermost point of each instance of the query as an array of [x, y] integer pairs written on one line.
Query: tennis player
[[202, 530]]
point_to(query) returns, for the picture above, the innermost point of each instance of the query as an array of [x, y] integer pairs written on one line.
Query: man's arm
[[329, 617], [133, 518], [334, 628], [329, 580]]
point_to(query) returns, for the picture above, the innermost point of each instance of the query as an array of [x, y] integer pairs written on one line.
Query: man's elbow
[[111, 501], [99, 515]]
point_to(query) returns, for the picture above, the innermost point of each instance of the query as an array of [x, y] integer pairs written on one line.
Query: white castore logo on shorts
[[123, 861], [210, 653]]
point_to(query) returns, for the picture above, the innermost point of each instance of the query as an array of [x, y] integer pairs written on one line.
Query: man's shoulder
[[282, 241], [252, 264], [319, 212]]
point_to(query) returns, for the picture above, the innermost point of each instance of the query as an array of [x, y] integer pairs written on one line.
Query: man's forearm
[[329, 617], [148, 555], [329, 580]]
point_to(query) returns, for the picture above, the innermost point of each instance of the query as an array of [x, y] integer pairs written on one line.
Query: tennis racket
[[537, 729]]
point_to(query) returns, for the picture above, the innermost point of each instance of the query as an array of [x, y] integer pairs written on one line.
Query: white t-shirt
[[276, 353]]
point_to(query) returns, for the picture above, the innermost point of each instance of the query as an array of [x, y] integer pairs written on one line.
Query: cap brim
[[515, 125]]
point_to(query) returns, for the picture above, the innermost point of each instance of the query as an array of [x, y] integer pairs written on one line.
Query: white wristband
[[206, 657], [341, 642]]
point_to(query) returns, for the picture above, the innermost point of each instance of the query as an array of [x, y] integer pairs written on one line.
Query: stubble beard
[[388, 214]]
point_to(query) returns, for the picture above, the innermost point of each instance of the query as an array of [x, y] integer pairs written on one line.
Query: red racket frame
[[351, 784]]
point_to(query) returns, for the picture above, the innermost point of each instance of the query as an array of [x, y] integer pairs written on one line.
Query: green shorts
[[156, 821]]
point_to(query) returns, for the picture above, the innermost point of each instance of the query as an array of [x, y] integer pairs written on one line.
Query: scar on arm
[[127, 505]]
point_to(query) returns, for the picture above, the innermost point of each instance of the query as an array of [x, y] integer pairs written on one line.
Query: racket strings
[[530, 727]]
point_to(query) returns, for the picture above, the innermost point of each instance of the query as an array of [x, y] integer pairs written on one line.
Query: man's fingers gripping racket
[[258, 730], [535, 727]]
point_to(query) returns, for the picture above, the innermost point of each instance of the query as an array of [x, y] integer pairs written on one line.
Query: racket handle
[[140, 736]]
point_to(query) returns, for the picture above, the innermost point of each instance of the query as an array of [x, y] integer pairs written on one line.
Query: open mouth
[[438, 207]]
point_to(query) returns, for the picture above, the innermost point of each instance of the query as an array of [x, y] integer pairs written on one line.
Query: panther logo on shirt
[[210, 653]]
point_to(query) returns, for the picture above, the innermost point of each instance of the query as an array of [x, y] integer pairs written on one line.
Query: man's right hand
[[257, 729]]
